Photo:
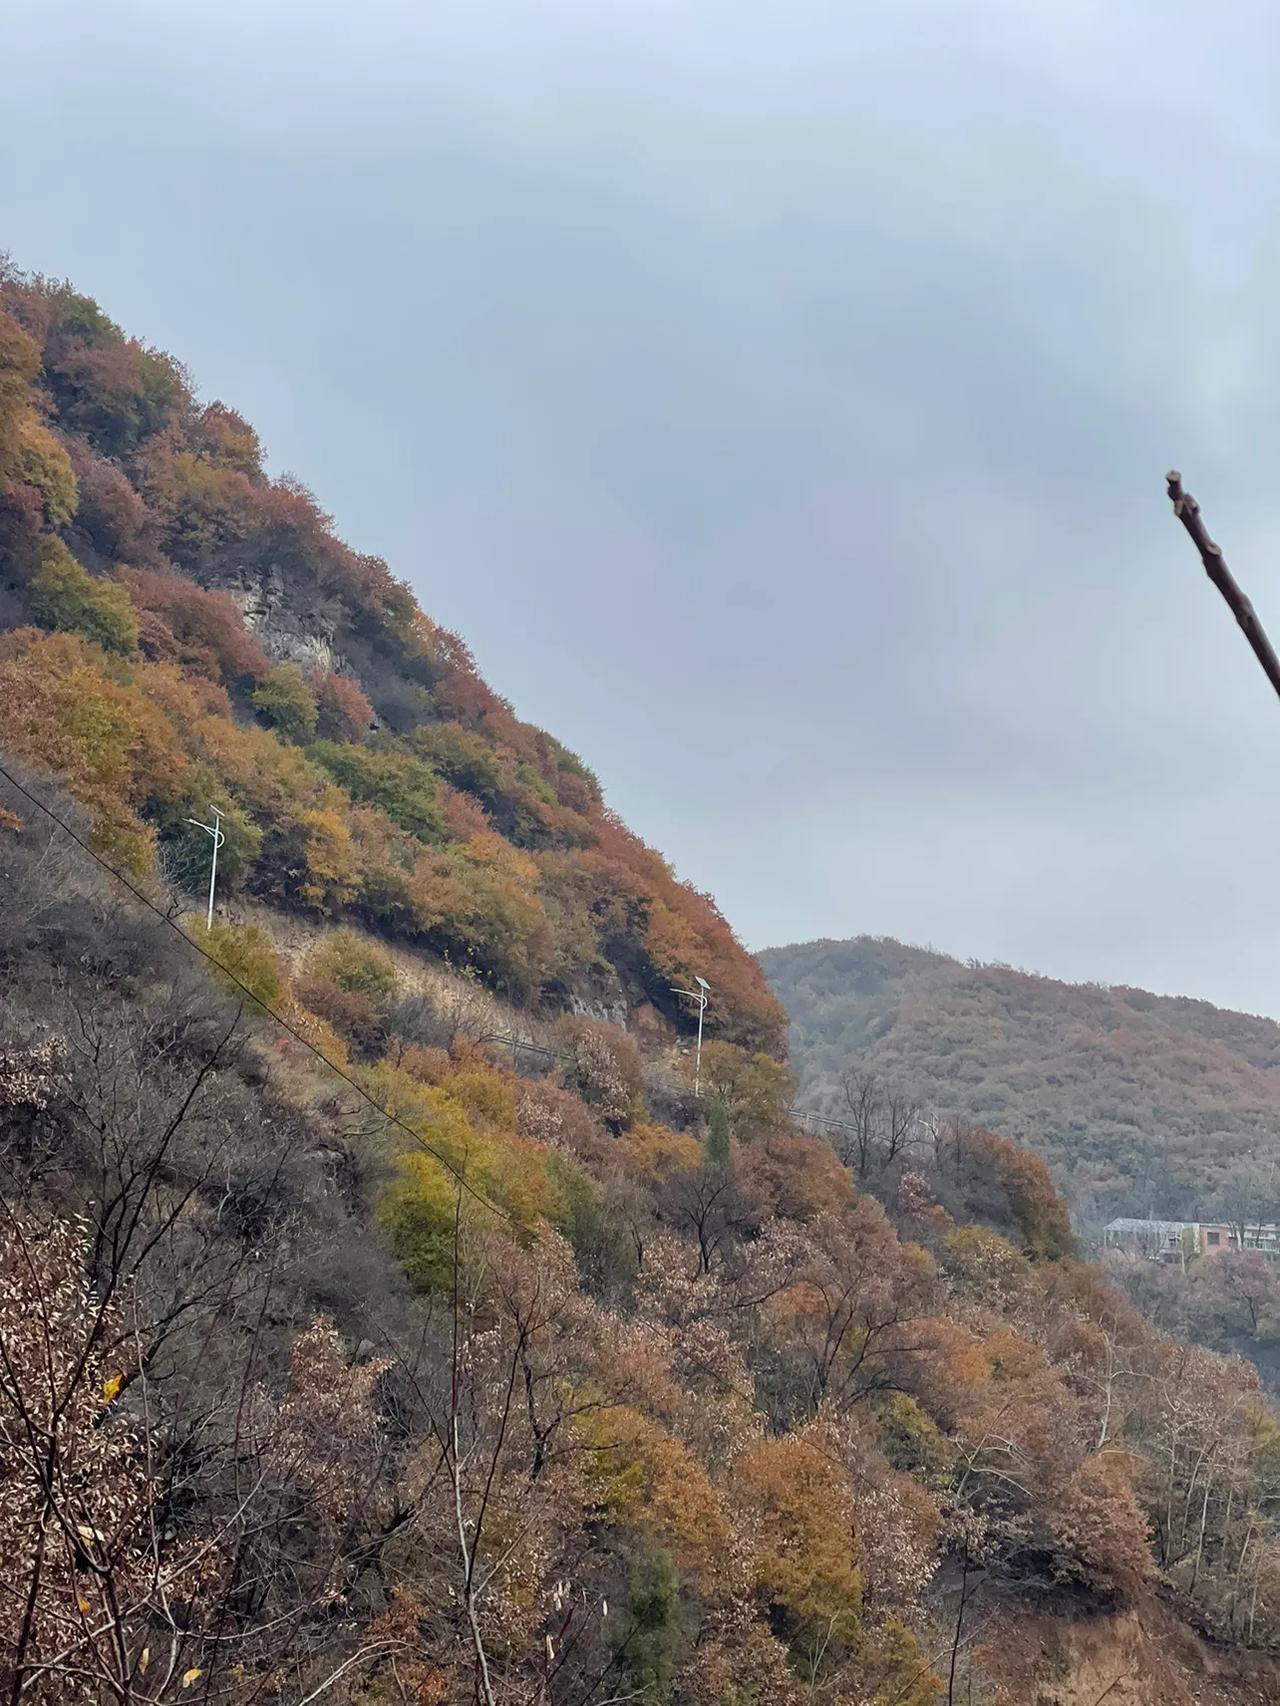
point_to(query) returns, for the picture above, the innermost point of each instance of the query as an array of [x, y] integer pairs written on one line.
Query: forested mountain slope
[[349, 1353], [192, 632], [1138, 1102]]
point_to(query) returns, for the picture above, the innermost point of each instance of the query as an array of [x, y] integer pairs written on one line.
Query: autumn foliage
[[141, 523], [386, 1317]]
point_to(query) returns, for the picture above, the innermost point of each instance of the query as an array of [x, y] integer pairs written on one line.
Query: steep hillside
[[1136, 1101], [191, 633], [351, 1351]]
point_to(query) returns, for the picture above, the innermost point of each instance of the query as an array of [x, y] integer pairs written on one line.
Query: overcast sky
[[776, 396]]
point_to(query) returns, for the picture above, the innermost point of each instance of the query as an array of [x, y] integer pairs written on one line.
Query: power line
[[514, 1043], [256, 1000]]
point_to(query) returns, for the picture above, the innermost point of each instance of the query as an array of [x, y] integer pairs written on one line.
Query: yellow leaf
[[111, 1387], [83, 1604], [144, 1659], [192, 1675]]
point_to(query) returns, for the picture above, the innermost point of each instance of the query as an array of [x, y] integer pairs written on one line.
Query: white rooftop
[[1161, 1227]]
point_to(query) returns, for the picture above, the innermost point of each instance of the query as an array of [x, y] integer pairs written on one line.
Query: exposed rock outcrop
[[292, 623]]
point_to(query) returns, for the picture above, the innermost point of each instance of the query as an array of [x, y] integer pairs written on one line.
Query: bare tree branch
[[1187, 511]]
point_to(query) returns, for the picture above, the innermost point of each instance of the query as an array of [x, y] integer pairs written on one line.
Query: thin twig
[[1111, 1687], [1187, 511]]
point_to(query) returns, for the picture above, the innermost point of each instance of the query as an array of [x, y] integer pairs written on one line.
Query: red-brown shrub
[[202, 631], [345, 713]]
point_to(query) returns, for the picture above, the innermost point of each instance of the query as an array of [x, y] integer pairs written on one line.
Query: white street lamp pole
[[215, 832], [704, 995], [701, 995]]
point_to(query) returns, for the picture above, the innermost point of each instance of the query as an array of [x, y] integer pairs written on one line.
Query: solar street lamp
[[215, 831], [701, 995]]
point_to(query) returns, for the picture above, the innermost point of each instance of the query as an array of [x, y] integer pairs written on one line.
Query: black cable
[[256, 1000]]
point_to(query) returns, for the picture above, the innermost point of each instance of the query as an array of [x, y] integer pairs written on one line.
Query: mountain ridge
[[1137, 1100]]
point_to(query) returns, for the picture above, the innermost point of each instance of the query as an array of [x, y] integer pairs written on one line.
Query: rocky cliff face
[[292, 623]]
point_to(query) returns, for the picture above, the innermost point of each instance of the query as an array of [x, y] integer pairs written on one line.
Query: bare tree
[[884, 1123], [145, 1552], [859, 1135], [708, 1203], [901, 1126]]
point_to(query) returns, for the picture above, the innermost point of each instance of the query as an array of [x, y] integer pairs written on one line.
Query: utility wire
[[514, 1043], [256, 1000]]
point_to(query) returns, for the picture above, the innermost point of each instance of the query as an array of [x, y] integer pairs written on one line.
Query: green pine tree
[[645, 1653], [718, 1135]]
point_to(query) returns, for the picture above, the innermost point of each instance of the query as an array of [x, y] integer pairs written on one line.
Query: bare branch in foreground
[[1187, 511]]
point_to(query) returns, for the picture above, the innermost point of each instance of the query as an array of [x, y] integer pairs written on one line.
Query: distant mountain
[[1135, 1100]]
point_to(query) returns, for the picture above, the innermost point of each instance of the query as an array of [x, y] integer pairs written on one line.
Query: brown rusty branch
[[1187, 511]]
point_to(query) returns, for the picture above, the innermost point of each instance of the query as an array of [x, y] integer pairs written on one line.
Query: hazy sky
[[777, 397]]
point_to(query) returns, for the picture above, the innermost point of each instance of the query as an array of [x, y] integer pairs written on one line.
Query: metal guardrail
[[521, 1044], [821, 1119]]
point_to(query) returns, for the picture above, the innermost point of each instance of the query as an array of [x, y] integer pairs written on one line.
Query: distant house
[[1218, 1236], [1153, 1240], [1263, 1237], [1182, 1240]]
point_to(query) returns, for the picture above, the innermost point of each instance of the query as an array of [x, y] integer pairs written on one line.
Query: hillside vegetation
[[349, 1353], [1138, 1102], [187, 631]]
